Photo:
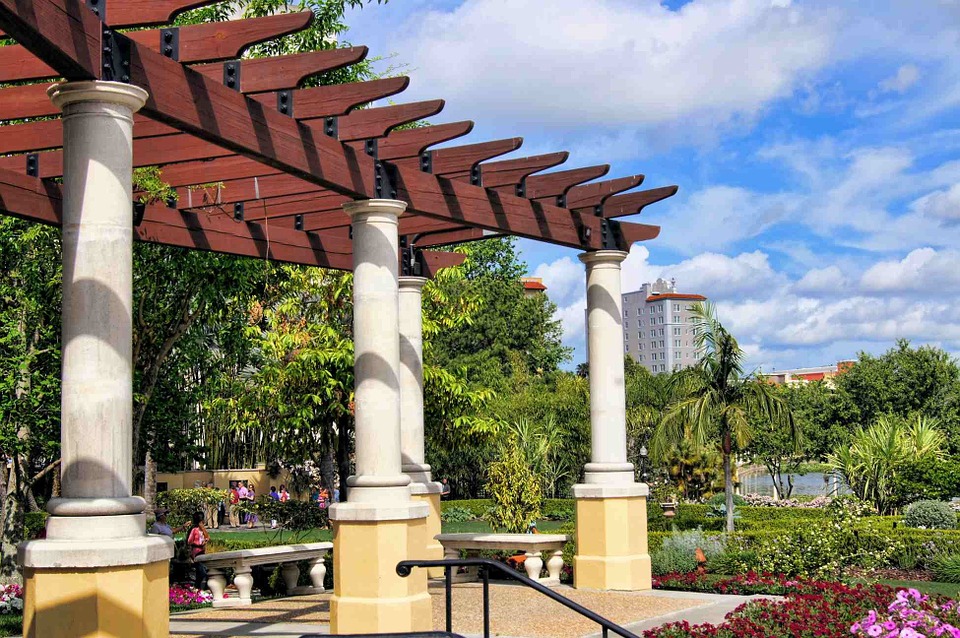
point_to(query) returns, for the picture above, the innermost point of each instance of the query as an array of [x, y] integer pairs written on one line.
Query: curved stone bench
[[243, 560], [531, 544]]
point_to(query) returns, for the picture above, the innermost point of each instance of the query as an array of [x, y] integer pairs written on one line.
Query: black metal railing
[[484, 567], [416, 634]]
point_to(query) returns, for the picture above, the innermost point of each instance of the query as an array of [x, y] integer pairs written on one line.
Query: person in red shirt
[[234, 501]]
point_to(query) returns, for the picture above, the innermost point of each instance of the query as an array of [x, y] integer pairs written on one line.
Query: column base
[[101, 602], [611, 537], [429, 493], [368, 542]]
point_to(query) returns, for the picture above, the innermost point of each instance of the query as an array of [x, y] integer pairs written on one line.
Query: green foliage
[[677, 552], [515, 491], [294, 518], [477, 507], [184, 502], [718, 499], [696, 471], [33, 524], [946, 568], [930, 515], [878, 454], [456, 515], [928, 478]]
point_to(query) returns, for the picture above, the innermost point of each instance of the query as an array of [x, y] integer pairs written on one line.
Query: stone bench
[[531, 544], [243, 560]]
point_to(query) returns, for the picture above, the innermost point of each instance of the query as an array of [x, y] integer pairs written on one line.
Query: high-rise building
[[658, 330]]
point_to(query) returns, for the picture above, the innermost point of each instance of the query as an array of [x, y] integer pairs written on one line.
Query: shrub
[[559, 509], [297, 517], [456, 515], [946, 568], [930, 515], [183, 503], [477, 506], [721, 499], [33, 524], [516, 491], [677, 553]]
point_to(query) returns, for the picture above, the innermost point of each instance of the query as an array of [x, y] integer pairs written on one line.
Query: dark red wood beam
[[260, 75], [367, 124], [198, 43], [48, 134], [553, 185], [508, 174], [459, 161], [67, 33], [584, 198], [634, 203], [140, 13], [411, 143], [336, 99]]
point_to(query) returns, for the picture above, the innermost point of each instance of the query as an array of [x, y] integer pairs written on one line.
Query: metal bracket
[[99, 8], [238, 210], [331, 127], [426, 161], [170, 43], [384, 174], [33, 165], [598, 210], [285, 102], [522, 188], [139, 208], [298, 222], [231, 74], [610, 235], [172, 201], [562, 200], [411, 262], [371, 148], [476, 175], [115, 56]]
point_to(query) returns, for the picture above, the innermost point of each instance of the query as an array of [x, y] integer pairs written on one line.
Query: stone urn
[[669, 509]]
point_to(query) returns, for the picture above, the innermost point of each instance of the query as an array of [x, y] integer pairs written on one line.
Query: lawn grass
[[312, 536], [11, 625], [950, 590]]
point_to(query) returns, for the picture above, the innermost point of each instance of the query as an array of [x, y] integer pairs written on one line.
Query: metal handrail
[[485, 565], [417, 634]]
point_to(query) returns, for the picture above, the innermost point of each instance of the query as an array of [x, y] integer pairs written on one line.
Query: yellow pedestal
[[612, 544], [434, 550], [102, 602], [369, 597]]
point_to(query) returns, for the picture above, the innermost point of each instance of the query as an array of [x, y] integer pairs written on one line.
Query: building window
[[676, 332], [661, 332], [676, 343], [625, 313], [640, 357], [641, 346], [626, 347], [676, 318], [663, 368], [639, 311], [676, 307]]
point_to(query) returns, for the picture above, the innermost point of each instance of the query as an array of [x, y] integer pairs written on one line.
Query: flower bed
[[187, 597], [811, 609], [11, 599]]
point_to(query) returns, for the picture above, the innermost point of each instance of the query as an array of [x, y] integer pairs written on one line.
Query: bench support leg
[[555, 565], [243, 579], [217, 582], [291, 574], [533, 565], [318, 573]]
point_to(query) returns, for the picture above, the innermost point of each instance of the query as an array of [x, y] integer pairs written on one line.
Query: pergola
[[265, 169]]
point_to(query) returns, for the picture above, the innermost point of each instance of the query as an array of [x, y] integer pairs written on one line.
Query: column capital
[[595, 257], [375, 210], [409, 282], [66, 93]]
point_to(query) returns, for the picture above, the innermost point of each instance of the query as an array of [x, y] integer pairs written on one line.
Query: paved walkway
[[515, 611]]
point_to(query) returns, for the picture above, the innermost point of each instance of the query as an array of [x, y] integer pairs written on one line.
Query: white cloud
[[922, 271], [614, 62], [564, 279], [942, 204], [822, 280], [905, 77]]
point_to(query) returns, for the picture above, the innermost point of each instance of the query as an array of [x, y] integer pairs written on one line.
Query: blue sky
[[816, 145]]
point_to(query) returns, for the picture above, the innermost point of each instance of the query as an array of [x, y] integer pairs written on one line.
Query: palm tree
[[717, 399]]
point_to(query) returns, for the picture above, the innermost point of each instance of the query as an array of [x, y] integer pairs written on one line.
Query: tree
[[717, 400], [514, 488]]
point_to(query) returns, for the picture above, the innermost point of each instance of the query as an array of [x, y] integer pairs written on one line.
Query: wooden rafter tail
[[459, 161], [143, 13], [146, 152], [261, 75], [411, 143], [556, 184], [586, 197], [634, 203], [367, 124], [66, 32], [632, 233], [196, 43], [508, 174], [337, 99]]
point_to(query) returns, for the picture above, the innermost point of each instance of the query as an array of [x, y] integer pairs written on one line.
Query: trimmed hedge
[[555, 509]]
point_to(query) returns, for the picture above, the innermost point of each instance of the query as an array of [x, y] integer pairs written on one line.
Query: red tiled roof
[[533, 284], [676, 295]]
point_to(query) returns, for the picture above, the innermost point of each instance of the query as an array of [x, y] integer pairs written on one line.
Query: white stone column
[[96, 542], [376, 337], [411, 380], [608, 423]]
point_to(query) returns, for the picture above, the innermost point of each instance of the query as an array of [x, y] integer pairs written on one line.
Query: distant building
[[808, 375], [657, 327], [532, 286]]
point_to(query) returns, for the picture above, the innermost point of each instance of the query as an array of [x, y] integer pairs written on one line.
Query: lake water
[[812, 484]]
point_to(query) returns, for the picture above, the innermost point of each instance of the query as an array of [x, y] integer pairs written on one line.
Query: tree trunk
[[328, 468], [12, 524], [149, 483], [728, 478], [343, 455]]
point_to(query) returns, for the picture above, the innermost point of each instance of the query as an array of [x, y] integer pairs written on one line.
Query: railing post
[[448, 586]]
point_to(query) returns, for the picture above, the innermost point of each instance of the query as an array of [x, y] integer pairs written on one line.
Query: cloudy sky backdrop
[[816, 145]]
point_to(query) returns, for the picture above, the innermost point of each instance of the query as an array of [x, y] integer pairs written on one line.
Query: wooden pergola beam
[[413, 142], [633, 203], [336, 99], [556, 184], [584, 198], [211, 42], [367, 124], [507, 175], [260, 75]]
